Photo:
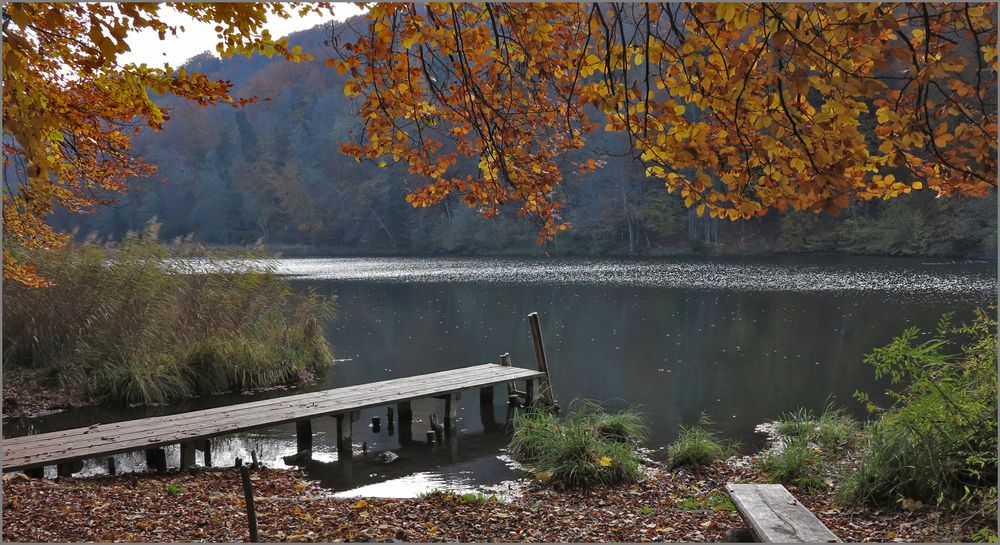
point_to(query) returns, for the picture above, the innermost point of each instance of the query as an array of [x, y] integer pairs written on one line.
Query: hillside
[[272, 172]]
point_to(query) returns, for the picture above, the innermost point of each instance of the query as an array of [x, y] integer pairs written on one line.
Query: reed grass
[[139, 322]]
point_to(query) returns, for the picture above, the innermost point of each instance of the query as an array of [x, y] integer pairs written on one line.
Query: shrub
[[138, 323], [796, 464], [588, 447], [699, 446], [937, 442]]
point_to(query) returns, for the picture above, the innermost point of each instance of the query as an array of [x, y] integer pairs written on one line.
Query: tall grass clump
[[136, 322], [937, 441], [797, 464], [699, 446], [832, 431], [588, 447]]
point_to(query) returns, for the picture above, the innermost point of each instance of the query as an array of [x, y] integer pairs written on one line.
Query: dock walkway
[[66, 449]]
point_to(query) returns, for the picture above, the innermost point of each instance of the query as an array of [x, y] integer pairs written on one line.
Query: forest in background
[[271, 172]]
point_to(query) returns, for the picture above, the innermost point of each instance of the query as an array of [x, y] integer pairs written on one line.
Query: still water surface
[[737, 340]]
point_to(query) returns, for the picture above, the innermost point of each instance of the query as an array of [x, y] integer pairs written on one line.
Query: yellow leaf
[[605, 461], [360, 504]]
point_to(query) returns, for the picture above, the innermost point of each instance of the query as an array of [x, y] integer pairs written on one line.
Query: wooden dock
[[192, 430]]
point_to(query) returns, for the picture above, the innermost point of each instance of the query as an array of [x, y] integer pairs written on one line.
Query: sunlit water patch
[[759, 274]]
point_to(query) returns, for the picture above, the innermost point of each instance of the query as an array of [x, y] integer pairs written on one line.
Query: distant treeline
[[272, 172]]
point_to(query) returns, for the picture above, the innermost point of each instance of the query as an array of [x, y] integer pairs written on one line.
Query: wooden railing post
[[545, 387], [248, 496]]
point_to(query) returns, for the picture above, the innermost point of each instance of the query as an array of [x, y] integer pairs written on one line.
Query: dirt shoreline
[[22, 398], [678, 505]]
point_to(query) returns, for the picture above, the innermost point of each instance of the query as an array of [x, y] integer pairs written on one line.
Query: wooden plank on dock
[[147, 433], [776, 516]]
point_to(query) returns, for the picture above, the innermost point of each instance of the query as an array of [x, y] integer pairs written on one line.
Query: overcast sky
[[200, 37]]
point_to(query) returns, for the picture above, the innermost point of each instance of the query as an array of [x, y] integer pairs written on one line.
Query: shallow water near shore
[[737, 340]]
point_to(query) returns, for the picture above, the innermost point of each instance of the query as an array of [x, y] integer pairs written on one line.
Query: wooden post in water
[[69, 468], [156, 459], [187, 456], [112, 470], [206, 446], [437, 428], [304, 435], [529, 392], [545, 387], [345, 448], [405, 422], [451, 413], [248, 496], [486, 412], [511, 392], [486, 396]]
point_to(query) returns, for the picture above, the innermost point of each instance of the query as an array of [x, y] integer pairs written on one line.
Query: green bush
[[937, 442], [698, 446], [588, 447], [140, 323], [796, 464]]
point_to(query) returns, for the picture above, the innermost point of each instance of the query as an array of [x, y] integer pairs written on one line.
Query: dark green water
[[740, 341]]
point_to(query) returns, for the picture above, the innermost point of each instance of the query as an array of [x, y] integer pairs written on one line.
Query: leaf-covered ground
[[24, 398], [208, 506]]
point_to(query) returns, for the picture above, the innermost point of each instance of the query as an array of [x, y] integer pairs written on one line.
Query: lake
[[735, 340]]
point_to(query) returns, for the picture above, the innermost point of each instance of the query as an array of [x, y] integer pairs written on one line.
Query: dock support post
[[304, 435], [544, 392], [187, 456], [112, 470], [450, 413], [486, 415], [206, 447], [344, 442], [511, 391], [69, 468], [156, 459], [530, 392], [405, 422], [486, 396]]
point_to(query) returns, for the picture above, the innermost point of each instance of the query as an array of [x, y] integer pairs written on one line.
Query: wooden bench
[[775, 516], [67, 448]]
